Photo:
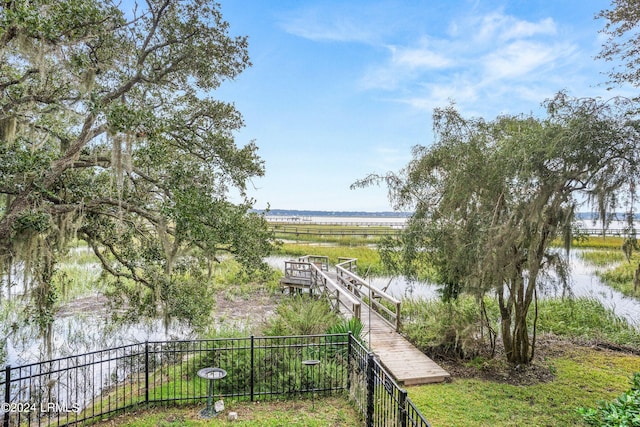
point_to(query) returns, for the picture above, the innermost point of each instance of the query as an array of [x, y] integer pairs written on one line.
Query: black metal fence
[[73, 390]]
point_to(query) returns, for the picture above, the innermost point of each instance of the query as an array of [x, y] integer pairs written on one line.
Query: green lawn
[[583, 376], [324, 412]]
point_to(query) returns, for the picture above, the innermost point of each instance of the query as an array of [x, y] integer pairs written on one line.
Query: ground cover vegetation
[[369, 263], [92, 146], [326, 411], [568, 377]]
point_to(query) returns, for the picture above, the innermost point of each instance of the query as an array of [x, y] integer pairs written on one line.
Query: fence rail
[[73, 390]]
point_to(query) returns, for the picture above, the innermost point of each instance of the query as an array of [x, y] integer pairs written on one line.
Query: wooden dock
[[407, 364], [350, 294]]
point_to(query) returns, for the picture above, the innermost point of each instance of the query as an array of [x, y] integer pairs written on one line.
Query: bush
[[624, 411], [301, 315], [455, 328]]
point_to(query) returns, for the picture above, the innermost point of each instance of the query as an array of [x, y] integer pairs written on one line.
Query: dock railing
[[382, 303], [337, 296]]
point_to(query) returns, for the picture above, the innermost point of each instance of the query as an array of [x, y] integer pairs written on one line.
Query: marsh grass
[[621, 276], [602, 258], [434, 325], [75, 280], [585, 319], [368, 258], [595, 242], [347, 235]]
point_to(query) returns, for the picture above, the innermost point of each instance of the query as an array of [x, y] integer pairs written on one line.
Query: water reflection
[[81, 333], [583, 283]]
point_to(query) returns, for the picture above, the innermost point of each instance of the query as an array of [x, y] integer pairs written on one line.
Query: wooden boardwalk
[[407, 364]]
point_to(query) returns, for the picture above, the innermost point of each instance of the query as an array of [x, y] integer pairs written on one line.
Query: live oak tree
[[489, 197], [109, 132]]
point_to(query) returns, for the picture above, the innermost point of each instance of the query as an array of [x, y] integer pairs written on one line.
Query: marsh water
[[84, 324], [584, 282]]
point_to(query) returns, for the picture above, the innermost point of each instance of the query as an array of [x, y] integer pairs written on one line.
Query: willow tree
[[110, 132], [622, 46], [490, 197]]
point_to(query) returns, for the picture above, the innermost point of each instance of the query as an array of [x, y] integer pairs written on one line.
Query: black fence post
[[7, 393], [370, 389], [146, 371], [251, 376], [349, 338], [402, 407]]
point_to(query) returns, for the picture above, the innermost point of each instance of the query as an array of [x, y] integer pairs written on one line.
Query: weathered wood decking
[[404, 361]]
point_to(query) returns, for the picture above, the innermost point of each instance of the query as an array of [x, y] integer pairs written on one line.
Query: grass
[[583, 376], [585, 319], [596, 242], [346, 235], [368, 258], [621, 277], [325, 411], [603, 258]]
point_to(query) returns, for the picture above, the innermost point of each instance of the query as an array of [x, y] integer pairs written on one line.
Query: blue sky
[[341, 89]]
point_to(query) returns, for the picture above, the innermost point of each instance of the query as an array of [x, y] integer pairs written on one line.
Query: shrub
[[301, 315], [624, 411], [453, 328]]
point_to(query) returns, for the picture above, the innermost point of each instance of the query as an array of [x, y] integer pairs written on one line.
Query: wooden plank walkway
[[407, 364]]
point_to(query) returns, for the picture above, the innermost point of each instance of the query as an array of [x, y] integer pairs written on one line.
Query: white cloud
[[406, 63], [337, 30], [521, 58], [324, 24], [421, 57], [486, 63], [497, 27]]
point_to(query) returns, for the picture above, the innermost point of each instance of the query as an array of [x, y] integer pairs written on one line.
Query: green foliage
[[622, 46], [582, 375], [491, 197], [599, 242], [621, 277], [585, 318], [454, 328], [344, 326], [368, 258], [602, 258], [119, 142], [624, 411], [301, 315]]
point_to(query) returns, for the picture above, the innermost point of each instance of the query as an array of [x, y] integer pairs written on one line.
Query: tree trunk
[[513, 317]]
